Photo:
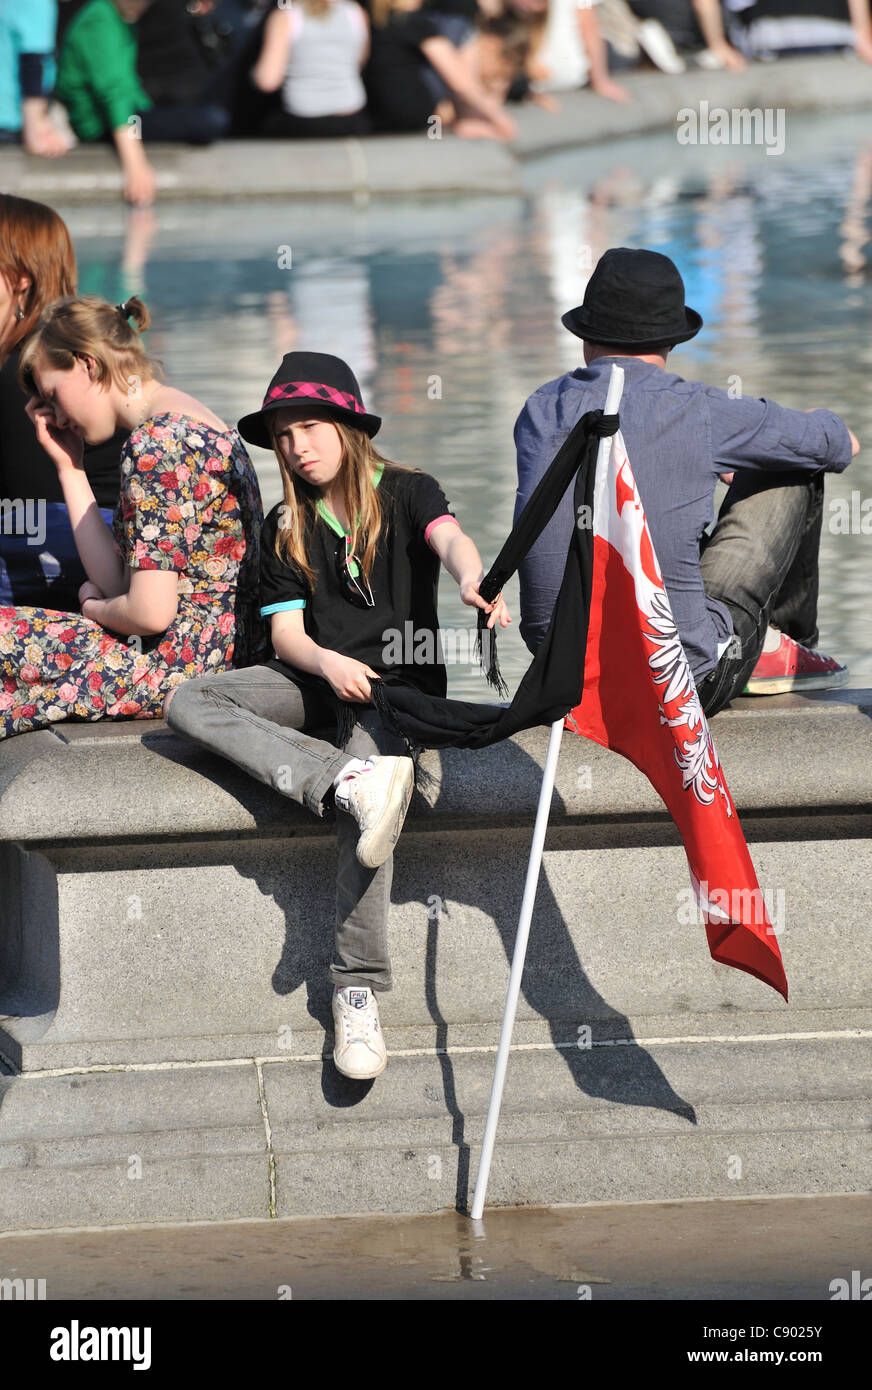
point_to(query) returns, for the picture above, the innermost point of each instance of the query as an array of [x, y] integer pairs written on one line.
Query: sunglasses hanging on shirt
[[354, 586]]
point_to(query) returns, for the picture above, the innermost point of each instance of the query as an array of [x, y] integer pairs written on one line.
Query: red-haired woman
[[39, 563]]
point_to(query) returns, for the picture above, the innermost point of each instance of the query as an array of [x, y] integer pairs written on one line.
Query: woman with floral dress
[[172, 588]]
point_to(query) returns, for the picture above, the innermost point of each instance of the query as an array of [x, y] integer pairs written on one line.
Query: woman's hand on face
[[348, 678], [63, 446], [470, 595]]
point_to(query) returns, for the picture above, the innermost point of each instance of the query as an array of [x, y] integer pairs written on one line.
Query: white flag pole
[[613, 398]]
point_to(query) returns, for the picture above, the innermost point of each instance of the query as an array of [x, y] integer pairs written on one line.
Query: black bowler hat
[[314, 378], [634, 299]]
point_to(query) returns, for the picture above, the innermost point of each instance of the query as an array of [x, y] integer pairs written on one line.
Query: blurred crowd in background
[[127, 72]]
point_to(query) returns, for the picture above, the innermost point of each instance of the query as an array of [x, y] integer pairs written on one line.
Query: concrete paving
[[648, 1120]]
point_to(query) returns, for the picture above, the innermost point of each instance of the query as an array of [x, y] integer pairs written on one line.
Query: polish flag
[[640, 700]]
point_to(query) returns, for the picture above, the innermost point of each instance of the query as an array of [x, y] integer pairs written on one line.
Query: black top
[[170, 62], [26, 469], [396, 46], [467, 8], [404, 584]]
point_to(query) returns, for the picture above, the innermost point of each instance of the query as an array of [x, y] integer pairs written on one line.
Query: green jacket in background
[[97, 79]]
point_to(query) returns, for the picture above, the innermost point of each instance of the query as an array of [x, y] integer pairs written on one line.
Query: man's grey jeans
[[761, 560], [261, 721]]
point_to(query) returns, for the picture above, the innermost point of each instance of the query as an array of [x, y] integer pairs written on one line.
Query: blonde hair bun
[[85, 325]]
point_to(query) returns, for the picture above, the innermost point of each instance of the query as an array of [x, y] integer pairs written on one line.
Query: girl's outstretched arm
[[459, 554]]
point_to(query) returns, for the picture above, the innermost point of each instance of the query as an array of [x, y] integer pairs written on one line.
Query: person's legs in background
[[282, 125], [195, 125]]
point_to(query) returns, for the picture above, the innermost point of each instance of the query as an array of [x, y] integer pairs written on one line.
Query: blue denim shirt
[[679, 435]]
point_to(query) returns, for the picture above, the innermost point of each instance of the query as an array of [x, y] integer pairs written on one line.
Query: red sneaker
[[794, 667]]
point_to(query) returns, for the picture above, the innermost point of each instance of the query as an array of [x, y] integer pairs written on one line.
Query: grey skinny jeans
[[761, 560], [258, 718]]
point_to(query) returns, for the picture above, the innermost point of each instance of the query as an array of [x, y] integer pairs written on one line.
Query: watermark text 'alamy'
[[741, 125]]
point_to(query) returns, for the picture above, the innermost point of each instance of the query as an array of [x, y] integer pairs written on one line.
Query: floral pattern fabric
[[189, 502]]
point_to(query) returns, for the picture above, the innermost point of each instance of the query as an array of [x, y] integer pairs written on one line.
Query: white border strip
[[459, 1051]]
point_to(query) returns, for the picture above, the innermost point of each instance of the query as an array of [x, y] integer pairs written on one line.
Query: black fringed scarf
[[552, 684]]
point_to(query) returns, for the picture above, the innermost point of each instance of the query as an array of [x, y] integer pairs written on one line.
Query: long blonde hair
[[361, 501], [87, 326]]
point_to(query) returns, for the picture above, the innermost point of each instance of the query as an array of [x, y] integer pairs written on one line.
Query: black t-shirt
[[400, 634], [170, 63], [467, 8], [395, 47], [26, 469]]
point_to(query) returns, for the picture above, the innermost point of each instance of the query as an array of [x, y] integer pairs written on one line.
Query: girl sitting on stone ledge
[[350, 560], [172, 587]]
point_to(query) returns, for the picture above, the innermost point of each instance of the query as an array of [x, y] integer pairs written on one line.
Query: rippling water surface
[[449, 311]]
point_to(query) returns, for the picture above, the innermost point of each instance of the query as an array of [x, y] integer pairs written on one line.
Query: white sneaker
[[378, 797], [359, 1051]]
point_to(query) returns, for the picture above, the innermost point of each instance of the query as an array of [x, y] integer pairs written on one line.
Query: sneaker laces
[[799, 651], [364, 1033], [365, 1023]]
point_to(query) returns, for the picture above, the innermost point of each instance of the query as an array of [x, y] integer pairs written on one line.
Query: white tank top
[[323, 76], [562, 50]]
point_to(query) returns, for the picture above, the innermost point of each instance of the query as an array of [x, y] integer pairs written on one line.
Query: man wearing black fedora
[[744, 597]]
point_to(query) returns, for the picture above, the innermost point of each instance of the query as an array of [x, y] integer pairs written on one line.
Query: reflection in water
[[449, 313], [854, 228]]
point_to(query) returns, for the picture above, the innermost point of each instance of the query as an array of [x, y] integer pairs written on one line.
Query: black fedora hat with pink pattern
[[310, 378]]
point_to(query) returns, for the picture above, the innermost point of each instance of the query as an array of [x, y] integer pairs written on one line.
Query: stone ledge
[[126, 781], [227, 956], [413, 164]]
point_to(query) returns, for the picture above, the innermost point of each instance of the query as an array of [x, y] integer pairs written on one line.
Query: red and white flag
[[640, 700]]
